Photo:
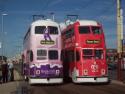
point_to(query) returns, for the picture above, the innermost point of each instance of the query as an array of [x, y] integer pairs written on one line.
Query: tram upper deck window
[[87, 53], [40, 29], [53, 30], [96, 30], [84, 30], [44, 29]]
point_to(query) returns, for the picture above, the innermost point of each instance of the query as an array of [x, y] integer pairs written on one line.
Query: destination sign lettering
[[93, 41], [47, 42]]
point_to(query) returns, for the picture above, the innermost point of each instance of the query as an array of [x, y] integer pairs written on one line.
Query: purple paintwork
[[46, 71]]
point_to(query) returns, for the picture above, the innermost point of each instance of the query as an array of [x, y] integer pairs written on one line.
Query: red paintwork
[[81, 39]]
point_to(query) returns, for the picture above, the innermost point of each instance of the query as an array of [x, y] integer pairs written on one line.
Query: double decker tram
[[84, 52], [41, 54]]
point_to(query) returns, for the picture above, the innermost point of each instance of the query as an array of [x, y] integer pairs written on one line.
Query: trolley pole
[[53, 16], [119, 40]]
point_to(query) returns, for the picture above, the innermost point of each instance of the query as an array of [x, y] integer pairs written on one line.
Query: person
[[0, 74], [4, 68], [10, 72]]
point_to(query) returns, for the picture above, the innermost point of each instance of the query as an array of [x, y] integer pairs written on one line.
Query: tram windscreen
[[98, 54], [87, 53]]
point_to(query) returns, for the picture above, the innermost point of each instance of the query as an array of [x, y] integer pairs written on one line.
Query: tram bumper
[[45, 80], [92, 79]]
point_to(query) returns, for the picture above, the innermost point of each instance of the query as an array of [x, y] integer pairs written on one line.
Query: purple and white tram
[[42, 53]]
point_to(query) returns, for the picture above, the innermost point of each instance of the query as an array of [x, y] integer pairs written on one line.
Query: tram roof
[[46, 22], [88, 22]]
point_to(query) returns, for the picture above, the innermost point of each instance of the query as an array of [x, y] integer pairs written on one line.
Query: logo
[[37, 72], [47, 37], [94, 67]]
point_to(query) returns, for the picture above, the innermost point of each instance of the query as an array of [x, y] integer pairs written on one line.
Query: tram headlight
[[37, 72], [32, 66], [76, 44], [103, 71], [85, 72]]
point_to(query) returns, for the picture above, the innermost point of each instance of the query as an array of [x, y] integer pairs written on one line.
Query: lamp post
[[2, 34], [119, 40]]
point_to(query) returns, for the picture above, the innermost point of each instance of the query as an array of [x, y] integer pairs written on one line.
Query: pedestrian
[[0, 74], [10, 72], [4, 68]]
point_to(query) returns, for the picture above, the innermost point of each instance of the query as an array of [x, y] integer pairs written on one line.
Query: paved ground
[[18, 86], [11, 87], [114, 87]]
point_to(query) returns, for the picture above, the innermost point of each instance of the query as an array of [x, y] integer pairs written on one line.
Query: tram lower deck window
[[41, 54], [87, 53], [53, 54], [98, 54]]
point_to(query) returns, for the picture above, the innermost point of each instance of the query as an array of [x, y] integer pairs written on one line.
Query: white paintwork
[[47, 22], [88, 23], [92, 80], [45, 81]]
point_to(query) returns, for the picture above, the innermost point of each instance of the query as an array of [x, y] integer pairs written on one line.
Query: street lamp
[[2, 34]]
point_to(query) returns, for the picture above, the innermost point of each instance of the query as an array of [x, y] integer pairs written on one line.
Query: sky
[[20, 12]]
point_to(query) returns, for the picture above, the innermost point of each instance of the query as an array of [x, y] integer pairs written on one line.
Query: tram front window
[[87, 53]]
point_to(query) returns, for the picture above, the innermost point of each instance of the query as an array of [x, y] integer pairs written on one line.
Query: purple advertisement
[[45, 71]]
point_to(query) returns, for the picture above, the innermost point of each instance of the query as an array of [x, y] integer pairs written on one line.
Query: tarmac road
[[115, 87], [19, 86], [70, 88]]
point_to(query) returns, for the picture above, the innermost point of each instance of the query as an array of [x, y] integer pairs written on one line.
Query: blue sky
[[20, 16]]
